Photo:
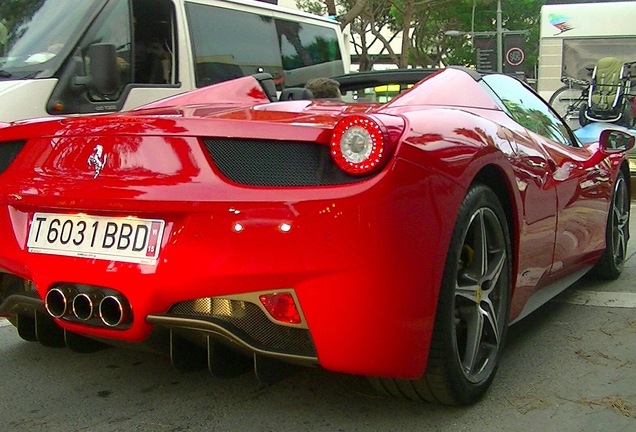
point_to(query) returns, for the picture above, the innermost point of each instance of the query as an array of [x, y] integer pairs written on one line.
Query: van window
[[229, 44], [35, 35], [308, 51], [142, 32], [303, 44], [580, 55], [116, 30], [155, 42]]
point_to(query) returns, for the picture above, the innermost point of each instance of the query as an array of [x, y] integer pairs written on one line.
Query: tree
[[480, 16], [422, 26], [366, 20]]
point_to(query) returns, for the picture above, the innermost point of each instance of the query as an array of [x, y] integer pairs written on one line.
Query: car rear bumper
[[363, 263]]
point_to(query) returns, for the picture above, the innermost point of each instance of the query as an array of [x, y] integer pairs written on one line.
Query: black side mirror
[[102, 72]]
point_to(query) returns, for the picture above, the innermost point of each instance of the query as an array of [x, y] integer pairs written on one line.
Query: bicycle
[[606, 97], [568, 100]]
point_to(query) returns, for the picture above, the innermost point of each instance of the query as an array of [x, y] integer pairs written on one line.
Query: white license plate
[[117, 239]]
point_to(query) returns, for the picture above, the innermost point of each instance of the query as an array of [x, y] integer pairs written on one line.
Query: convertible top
[[359, 80]]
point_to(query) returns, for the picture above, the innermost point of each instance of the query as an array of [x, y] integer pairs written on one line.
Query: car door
[[581, 185], [533, 169]]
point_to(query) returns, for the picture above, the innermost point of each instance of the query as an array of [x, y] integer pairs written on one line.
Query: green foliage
[[316, 7], [429, 20], [516, 15]]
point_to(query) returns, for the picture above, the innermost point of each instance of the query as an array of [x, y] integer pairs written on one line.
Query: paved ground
[[570, 366]]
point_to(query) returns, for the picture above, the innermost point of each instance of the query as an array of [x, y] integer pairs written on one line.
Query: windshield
[[36, 35]]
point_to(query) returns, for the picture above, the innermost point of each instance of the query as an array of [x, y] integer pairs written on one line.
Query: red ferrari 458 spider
[[392, 234]]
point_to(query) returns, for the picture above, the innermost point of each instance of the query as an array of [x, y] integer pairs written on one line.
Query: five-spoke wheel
[[473, 308], [612, 262]]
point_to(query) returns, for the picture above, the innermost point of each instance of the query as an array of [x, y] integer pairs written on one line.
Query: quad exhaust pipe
[[58, 302], [85, 305], [112, 310]]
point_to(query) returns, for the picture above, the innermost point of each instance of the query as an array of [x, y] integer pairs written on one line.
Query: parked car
[[396, 240]]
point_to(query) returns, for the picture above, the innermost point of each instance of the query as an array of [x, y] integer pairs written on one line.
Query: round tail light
[[362, 144]]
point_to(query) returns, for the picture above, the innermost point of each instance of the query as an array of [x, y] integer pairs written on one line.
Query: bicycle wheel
[[566, 102]]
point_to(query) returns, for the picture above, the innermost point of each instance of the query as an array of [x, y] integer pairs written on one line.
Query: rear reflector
[[281, 307]]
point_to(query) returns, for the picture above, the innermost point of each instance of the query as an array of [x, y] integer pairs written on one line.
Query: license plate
[[117, 239]]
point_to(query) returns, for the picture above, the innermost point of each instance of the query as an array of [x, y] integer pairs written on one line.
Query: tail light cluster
[[362, 144]]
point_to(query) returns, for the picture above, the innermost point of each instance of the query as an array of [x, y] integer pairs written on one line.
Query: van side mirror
[[615, 141], [102, 72]]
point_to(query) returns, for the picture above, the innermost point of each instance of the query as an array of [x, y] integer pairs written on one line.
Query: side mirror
[[102, 72], [615, 141]]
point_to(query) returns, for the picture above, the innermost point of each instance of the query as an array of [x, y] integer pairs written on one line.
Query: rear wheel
[[472, 312], [612, 262]]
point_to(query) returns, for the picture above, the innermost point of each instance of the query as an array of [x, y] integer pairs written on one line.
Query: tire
[[565, 102], [583, 120], [472, 313], [628, 114], [611, 264]]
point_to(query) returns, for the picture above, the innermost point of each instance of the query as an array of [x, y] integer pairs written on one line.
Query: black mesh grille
[[276, 163], [8, 152], [254, 327]]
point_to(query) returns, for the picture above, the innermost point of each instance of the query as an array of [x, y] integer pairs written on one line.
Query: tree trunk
[[406, 33]]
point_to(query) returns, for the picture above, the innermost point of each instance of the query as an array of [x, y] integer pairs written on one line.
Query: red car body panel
[[364, 259]]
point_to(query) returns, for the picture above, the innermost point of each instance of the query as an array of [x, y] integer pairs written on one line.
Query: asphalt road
[[571, 366]]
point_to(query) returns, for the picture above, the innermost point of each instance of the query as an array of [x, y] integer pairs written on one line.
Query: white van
[[69, 57], [575, 35]]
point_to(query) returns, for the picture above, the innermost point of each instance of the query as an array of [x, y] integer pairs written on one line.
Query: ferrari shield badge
[[97, 160]]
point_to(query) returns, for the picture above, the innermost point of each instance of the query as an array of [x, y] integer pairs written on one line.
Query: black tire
[[583, 120], [612, 262], [628, 114], [473, 306]]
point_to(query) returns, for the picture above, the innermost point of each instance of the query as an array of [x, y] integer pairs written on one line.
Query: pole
[[472, 21], [499, 39]]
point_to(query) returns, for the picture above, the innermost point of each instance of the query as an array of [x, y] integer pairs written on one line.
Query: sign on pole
[[514, 53], [486, 52]]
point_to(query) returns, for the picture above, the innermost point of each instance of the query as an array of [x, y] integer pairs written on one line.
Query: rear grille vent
[[249, 323], [8, 152], [276, 163]]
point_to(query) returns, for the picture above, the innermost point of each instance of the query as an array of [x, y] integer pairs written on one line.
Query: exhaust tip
[[84, 306], [57, 302], [113, 311]]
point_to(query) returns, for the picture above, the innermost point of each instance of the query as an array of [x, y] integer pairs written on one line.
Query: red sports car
[[389, 234]]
